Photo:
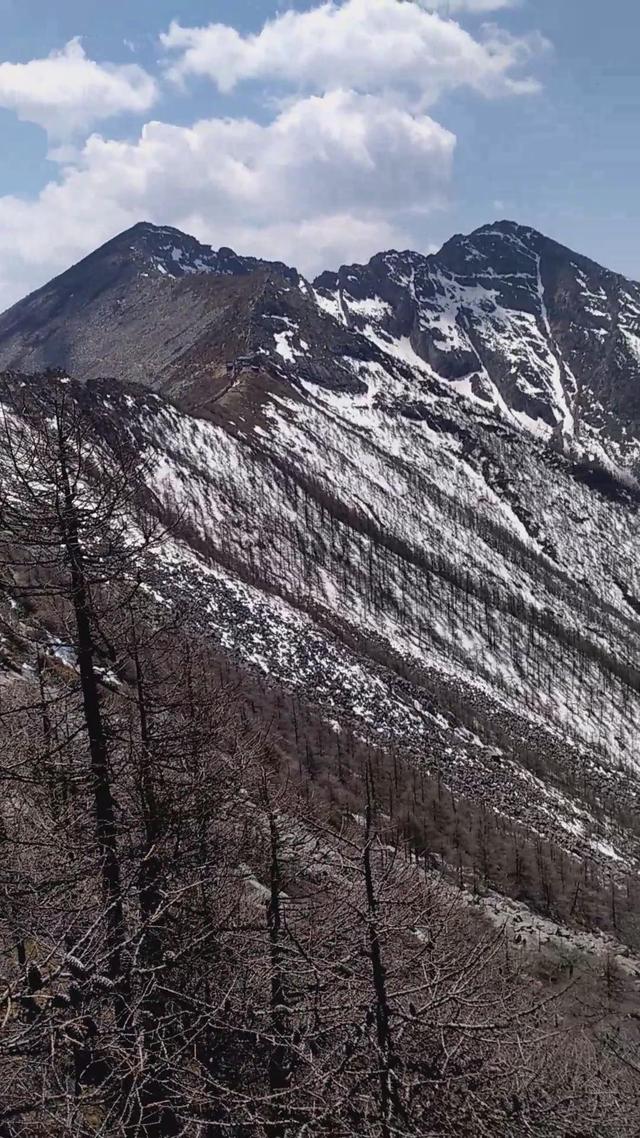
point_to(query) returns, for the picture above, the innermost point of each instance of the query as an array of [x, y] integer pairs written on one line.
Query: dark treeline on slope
[[409, 585], [306, 532], [408, 581], [214, 925]]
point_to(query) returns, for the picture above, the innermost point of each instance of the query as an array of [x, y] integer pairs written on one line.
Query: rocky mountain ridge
[[504, 317]]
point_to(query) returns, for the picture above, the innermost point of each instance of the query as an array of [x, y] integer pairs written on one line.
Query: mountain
[[506, 317], [403, 492], [514, 321], [320, 696], [144, 303]]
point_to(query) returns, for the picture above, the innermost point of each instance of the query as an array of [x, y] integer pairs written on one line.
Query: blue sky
[[313, 132]]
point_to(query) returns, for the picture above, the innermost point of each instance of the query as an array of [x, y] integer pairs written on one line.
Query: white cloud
[[67, 92], [350, 162], [332, 176], [369, 45]]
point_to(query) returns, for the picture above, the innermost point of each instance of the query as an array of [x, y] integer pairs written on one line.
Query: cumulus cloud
[[326, 176], [351, 161], [368, 45], [67, 92]]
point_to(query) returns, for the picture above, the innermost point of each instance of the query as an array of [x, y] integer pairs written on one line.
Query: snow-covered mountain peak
[[172, 253], [514, 321]]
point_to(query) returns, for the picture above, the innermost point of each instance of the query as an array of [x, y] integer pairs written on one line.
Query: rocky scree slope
[[136, 306], [405, 490]]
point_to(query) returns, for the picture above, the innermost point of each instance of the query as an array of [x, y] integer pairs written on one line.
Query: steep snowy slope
[[430, 577]]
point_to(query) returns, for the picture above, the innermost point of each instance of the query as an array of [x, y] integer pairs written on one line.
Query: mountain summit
[[513, 320], [135, 307]]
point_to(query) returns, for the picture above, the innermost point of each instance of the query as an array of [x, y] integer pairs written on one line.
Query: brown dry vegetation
[[219, 917]]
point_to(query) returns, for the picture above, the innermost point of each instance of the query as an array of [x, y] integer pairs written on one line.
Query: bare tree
[[195, 943]]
